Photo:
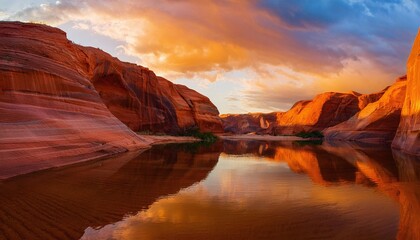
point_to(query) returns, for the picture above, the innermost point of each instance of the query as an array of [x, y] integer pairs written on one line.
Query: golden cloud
[[206, 39]]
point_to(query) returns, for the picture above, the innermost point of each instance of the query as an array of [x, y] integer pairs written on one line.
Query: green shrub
[[313, 134], [204, 136]]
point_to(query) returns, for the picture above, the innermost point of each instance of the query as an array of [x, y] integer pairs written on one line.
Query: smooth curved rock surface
[[146, 102], [325, 110], [407, 138], [377, 122], [52, 95], [51, 114]]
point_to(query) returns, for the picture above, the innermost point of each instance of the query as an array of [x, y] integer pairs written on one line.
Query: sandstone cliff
[[258, 123], [377, 122], [52, 95], [145, 102], [408, 134], [325, 110]]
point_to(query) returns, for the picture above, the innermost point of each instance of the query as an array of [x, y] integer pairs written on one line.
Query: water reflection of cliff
[[62, 203], [394, 173]]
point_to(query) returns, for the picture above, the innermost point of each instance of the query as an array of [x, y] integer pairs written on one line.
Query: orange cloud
[[207, 39]]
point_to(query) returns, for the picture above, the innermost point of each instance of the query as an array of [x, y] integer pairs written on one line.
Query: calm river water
[[229, 190]]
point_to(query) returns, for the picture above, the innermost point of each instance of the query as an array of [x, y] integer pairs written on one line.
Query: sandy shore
[[264, 137]]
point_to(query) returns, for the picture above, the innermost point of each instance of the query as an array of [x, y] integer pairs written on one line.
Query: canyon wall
[[259, 123], [325, 110], [146, 102], [61, 103], [377, 122], [50, 113], [407, 137]]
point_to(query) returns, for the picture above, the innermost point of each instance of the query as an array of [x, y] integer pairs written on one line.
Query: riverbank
[[156, 140], [11, 169], [264, 137]]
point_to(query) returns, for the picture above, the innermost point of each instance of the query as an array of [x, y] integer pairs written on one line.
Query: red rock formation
[[51, 113], [377, 122], [408, 134], [204, 113], [325, 110], [249, 123], [145, 102]]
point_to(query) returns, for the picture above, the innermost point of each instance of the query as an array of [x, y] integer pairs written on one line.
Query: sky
[[245, 55]]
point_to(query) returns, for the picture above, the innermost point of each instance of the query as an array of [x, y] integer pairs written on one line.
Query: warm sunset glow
[[253, 55]]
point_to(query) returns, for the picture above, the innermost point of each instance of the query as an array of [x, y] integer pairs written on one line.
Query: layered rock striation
[[258, 123], [377, 122], [325, 110], [61, 103], [407, 137], [146, 102]]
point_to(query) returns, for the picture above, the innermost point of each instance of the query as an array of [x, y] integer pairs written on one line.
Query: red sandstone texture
[[325, 110], [60, 102], [258, 123], [407, 138], [377, 122], [145, 102]]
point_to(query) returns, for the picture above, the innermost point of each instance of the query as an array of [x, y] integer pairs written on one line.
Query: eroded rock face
[[258, 123], [52, 95], [377, 122], [146, 102], [407, 137], [51, 114], [325, 110]]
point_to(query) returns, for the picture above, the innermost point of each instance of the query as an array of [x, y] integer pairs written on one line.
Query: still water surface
[[230, 190]]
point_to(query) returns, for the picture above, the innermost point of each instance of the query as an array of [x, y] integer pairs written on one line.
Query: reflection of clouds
[[245, 192]]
